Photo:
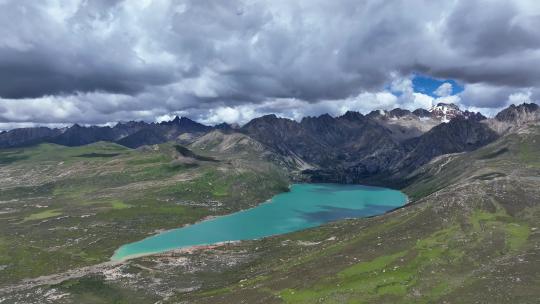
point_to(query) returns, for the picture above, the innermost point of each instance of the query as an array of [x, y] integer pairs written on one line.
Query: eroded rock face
[[514, 117], [459, 135], [519, 114], [26, 136], [354, 147], [324, 141], [448, 111], [404, 124], [422, 113]]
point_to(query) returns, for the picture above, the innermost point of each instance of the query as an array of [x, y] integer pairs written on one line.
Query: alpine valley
[[70, 197]]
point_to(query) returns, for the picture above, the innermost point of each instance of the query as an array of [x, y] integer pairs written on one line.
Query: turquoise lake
[[304, 206]]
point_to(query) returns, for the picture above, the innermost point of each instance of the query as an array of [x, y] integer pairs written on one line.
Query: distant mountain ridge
[[519, 114], [137, 133], [130, 134], [442, 112], [353, 147], [349, 148]]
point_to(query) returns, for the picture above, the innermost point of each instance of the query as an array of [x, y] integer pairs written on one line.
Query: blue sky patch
[[428, 85]]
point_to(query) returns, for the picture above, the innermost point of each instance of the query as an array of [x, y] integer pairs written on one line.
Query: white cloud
[[520, 97], [422, 101], [482, 95], [402, 85], [444, 90]]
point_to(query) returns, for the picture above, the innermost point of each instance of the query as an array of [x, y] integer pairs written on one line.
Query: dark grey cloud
[[492, 29], [57, 49], [100, 61], [35, 74]]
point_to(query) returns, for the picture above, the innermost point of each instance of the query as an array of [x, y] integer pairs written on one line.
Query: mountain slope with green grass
[[67, 207], [469, 235]]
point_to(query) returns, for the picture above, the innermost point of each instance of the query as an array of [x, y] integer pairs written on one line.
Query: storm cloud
[[90, 61]]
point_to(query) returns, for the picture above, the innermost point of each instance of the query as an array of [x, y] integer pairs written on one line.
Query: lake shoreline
[[310, 205]]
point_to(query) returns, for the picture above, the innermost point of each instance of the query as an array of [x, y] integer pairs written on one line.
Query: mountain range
[[379, 146], [470, 225]]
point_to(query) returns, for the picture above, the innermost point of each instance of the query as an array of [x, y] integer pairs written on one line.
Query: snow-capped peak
[[445, 111]]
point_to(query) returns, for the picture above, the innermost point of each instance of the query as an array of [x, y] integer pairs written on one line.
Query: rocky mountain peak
[[398, 113], [519, 114], [422, 113], [321, 118], [184, 121], [184, 124], [177, 120], [268, 117], [263, 120], [268, 121], [352, 116], [325, 116], [223, 126], [377, 114], [447, 105], [226, 127], [445, 111], [130, 123], [170, 122]]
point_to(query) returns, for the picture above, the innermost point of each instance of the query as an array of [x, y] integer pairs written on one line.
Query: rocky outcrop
[[324, 141], [519, 114], [448, 111], [27, 136], [162, 132], [514, 117], [422, 113], [459, 135], [404, 124], [387, 164]]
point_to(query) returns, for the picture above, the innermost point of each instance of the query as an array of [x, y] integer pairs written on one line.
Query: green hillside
[[471, 236], [470, 233], [66, 207]]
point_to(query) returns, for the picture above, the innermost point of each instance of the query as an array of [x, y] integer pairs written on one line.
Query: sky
[[103, 61]]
